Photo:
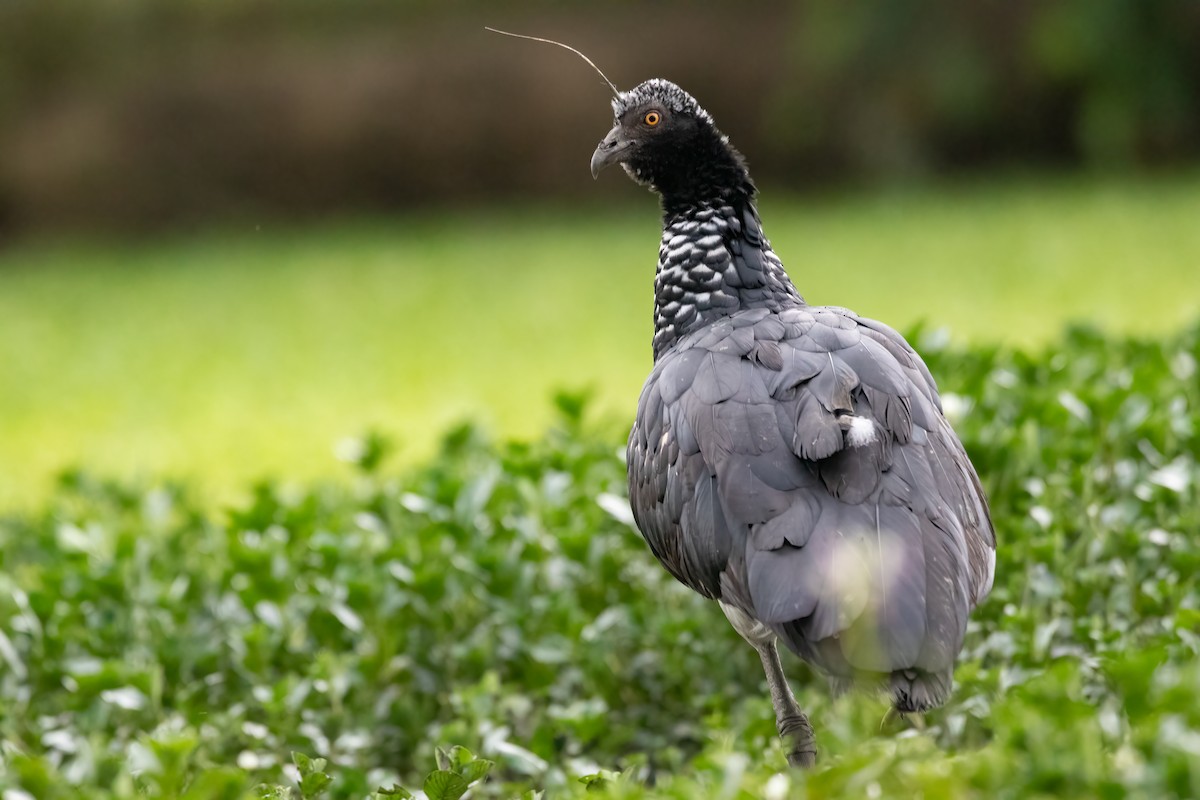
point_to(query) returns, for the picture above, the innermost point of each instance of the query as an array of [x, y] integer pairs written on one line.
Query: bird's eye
[[653, 118]]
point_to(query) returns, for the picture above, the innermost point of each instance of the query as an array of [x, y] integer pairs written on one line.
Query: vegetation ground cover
[[219, 358], [154, 644]]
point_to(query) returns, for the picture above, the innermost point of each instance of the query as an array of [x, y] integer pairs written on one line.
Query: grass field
[[246, 353]]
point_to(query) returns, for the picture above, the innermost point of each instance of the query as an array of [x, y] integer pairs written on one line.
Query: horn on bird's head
[[592, 64]]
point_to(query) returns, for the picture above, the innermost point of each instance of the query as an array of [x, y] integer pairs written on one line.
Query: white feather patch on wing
[[861, 432], [747, 626], [991, 577]]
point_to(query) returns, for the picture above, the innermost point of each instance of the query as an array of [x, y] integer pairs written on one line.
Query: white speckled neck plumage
[[714, 259], [712, 262]]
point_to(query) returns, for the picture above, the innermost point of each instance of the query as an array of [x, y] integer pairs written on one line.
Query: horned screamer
[[790, 461]]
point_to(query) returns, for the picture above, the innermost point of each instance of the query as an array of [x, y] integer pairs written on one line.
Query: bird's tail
[[915, 690]]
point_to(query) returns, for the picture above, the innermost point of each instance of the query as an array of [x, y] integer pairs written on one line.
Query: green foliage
[[313, 778], [497, 598], [1106, 83]]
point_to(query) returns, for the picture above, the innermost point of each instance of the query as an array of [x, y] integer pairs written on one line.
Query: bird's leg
[[792, 723]]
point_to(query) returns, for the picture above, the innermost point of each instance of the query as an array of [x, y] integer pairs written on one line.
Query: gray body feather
[[793, 461]]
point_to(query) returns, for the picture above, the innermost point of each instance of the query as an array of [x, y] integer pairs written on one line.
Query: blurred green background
[[232, 233]]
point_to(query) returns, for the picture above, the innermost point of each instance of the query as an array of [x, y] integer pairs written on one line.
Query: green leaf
[[444, 785], [596, 781], [458, 756], [475, 770], [313, 779], [314, 784], [571, 404]]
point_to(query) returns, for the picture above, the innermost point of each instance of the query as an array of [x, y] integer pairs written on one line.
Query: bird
[[790, 461]]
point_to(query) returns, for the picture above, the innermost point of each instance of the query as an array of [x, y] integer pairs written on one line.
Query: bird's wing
[[797, 464], [672, 490], [981, 536]]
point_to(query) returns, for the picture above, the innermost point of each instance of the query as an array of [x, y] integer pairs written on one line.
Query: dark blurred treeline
[[149, 113]]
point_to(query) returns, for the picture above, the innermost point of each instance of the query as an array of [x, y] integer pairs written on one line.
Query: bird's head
[[664, 139]]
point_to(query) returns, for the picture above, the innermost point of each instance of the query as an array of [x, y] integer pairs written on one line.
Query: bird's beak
[[609, 151]]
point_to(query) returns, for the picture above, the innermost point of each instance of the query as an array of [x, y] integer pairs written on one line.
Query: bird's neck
[[714, 261], [703, 170]]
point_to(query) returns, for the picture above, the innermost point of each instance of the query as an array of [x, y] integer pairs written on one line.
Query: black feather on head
[[666, 140], [659, 92]]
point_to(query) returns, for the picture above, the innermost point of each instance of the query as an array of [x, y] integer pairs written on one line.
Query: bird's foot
[[798, 739]]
